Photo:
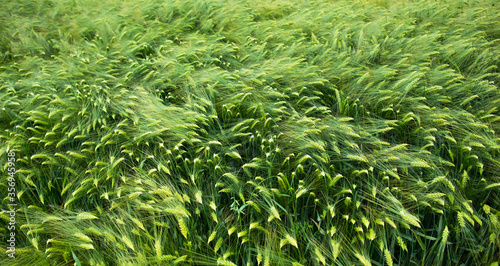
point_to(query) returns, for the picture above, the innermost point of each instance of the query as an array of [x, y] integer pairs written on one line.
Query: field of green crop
[[287, 132]]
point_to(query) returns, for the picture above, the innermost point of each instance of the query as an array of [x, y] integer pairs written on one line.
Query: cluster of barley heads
[[239, 132]]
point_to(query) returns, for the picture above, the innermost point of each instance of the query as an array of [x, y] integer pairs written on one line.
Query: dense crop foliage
[[252, 132]]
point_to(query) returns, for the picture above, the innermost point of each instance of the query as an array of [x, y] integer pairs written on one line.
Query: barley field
[[286, 132]]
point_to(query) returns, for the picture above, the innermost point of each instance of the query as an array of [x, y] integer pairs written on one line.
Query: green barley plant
[[239, 132]]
